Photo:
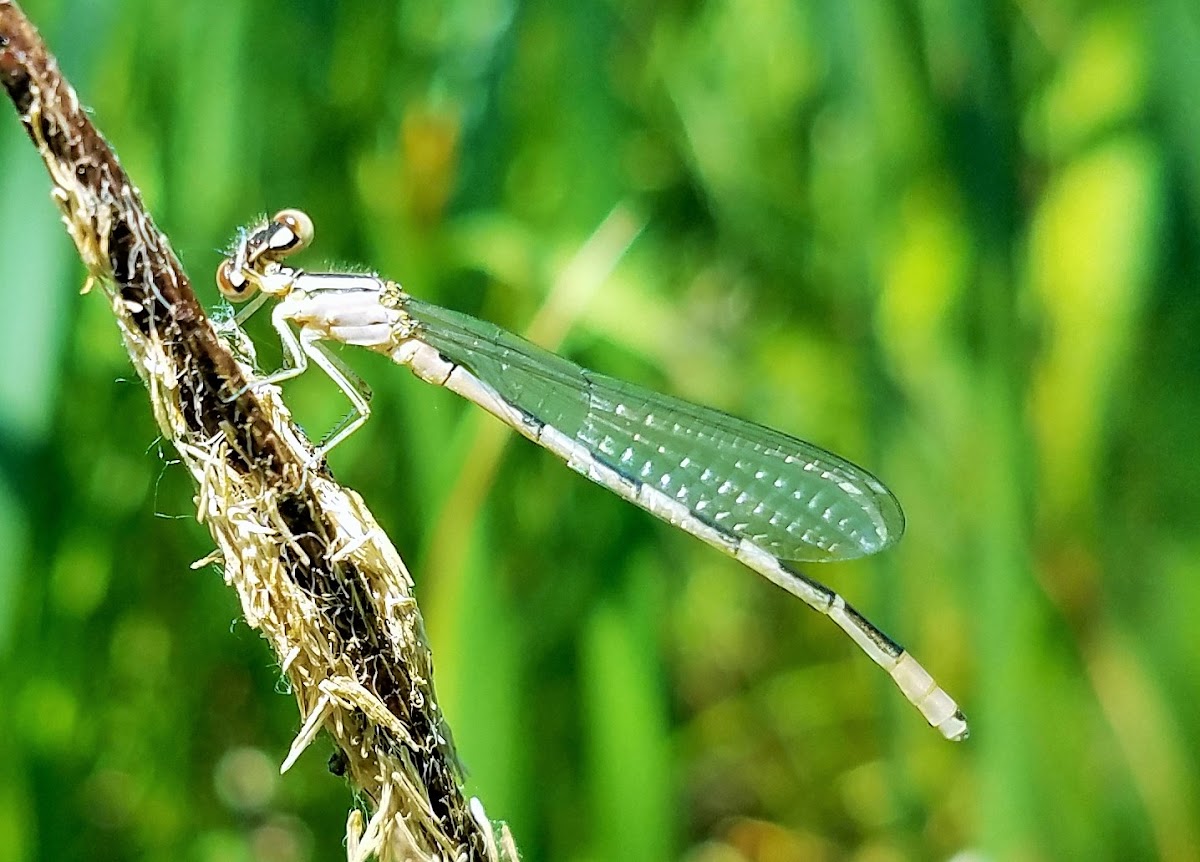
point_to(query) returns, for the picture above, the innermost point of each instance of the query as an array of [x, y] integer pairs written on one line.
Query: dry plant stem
[[314, 572]]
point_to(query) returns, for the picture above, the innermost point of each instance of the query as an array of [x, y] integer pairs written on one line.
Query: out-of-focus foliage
[[956, 242]]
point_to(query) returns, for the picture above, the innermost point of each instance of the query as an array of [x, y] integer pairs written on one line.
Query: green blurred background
[[955, 242]]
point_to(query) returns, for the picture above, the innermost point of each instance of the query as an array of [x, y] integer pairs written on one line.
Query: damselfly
[[757, 494]]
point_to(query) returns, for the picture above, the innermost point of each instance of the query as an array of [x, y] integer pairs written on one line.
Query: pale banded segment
[[463, 382], [575, 454], [912, 679], [758, 495], [580, 460], [425, 362]]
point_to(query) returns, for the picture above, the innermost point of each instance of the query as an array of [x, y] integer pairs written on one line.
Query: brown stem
[[316, 575]]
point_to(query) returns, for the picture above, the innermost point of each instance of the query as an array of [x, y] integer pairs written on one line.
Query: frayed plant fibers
[[335, 602], [314, 572], [336, 605]]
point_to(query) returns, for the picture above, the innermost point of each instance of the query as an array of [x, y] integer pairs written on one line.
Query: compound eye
[[298, 233], [234, 286]]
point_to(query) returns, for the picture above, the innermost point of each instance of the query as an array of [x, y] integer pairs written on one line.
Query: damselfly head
[[255, 264]]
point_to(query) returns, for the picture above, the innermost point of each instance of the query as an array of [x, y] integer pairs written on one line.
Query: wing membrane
[[789, 497]]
